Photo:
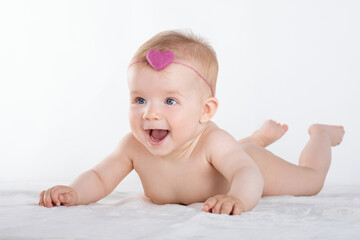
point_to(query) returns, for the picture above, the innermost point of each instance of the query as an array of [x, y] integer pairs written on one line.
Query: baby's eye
[[170, 101], [140, 100]]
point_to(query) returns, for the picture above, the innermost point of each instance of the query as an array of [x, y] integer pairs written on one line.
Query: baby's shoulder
[[219, 145], [217, 137]]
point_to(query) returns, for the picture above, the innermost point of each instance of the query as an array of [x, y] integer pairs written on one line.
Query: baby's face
[[165, 107]]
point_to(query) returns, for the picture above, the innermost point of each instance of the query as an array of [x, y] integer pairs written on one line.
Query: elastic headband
[[160, 60]]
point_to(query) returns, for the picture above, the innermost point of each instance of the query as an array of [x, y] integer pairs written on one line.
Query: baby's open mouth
[[157, 135]]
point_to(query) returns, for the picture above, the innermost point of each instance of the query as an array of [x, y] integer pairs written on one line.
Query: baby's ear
[[209, 109]]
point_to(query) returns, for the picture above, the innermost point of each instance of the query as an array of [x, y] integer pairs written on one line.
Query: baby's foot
[[334, 133], [269, 132]]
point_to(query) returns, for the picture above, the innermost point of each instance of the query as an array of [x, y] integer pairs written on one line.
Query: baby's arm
[[95, 184], [246, 180]]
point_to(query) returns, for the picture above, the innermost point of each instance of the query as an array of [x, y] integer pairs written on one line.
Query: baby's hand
[[223, 204], [58, 195]]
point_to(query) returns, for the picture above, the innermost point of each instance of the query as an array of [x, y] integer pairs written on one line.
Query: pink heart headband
[[160, 60]]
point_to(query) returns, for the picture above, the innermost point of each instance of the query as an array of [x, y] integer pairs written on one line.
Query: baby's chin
[[159, 152]]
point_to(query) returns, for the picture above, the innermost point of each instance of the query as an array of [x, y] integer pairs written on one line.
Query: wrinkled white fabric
[[333, 214]]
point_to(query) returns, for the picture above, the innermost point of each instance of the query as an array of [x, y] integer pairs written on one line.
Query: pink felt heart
[[159, 60]]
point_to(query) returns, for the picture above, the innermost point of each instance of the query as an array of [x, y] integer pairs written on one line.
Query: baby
[[180, 155]]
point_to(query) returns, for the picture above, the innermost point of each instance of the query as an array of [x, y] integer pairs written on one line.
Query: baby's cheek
[[134, 122], [133, 116], [185, 130]]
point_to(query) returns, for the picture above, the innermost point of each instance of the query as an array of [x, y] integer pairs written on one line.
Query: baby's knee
[[315, 185], [315, 189]]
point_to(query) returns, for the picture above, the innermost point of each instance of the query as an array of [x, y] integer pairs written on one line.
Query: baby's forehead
[[178, 71], [175, 77], [173, 72]]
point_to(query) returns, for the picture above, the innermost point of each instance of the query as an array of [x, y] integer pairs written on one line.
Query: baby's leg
[[268, 133], [284, 178]]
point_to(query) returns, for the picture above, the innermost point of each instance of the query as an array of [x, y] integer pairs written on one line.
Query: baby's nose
[[152, 113]]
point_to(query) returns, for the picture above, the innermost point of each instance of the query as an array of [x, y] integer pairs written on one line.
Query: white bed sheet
[[333, 214]]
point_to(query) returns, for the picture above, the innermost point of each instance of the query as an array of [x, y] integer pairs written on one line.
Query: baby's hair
[[188, 48]]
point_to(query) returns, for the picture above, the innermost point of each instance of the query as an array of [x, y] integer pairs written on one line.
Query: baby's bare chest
[[184, 182]]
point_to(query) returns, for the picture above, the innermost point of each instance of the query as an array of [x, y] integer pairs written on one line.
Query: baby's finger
[[47, 198], [209, 204], [41, 198], [55, 196], [237, 210], [226, 207], [217, 207]]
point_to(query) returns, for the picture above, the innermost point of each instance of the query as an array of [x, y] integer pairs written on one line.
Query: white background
[[63, 91]]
